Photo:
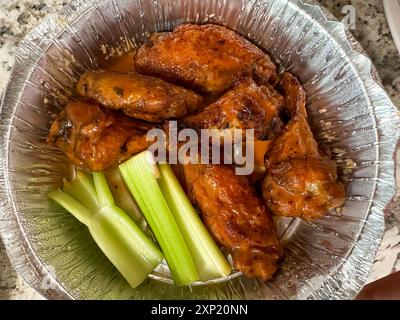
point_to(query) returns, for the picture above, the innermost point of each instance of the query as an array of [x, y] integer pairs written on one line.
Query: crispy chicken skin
[[295, 95], [235, 217], [296, 141], [207, 58], [301, 180], [138, 96], [96, 138], [247, 106]]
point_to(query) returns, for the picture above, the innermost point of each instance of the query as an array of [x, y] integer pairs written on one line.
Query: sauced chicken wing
[[236, 217], [296, 141], [301, 181], [247, 106], [96, 138], [138, 96], [295, 95], [206, 58]]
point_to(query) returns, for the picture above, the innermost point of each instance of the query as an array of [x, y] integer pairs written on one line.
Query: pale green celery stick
[[104, 194], [120, 239], [124, 244], [208, 258], [122, 195], [125, 201], [78, 210], [82, 189], [140, 175]]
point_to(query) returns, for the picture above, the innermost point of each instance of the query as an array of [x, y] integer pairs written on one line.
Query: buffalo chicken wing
[[301, 181], [207, 58], [138, 96], [294, 94], [247, 106], [96, 138], [236, 217]]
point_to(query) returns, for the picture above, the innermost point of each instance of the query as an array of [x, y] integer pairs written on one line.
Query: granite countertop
[[17, 17]]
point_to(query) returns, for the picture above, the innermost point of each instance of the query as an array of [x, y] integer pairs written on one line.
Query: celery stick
[[82, 190], [140, 175], [120, 239], [122, 196], [125, 201], [103, 191], [208, 258], [124, 244], [78, 210]]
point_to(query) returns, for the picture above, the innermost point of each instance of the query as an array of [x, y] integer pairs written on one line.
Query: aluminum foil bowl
[[325, 259]]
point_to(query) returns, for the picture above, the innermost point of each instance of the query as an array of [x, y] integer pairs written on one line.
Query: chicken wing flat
[[96, 138], [138, 96], [235, 217], [247, 106], [207, 58], [301, 181]]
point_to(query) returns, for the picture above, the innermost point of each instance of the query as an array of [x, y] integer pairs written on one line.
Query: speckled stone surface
[[17, 17]]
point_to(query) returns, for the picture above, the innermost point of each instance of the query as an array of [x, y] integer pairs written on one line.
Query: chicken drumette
[[301, 179]]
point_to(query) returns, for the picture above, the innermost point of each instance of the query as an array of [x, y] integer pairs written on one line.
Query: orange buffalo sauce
[[260, 150], [124, 63]]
